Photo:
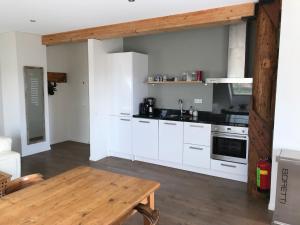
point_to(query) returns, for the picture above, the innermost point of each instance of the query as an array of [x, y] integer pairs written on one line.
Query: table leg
[[150, 203]]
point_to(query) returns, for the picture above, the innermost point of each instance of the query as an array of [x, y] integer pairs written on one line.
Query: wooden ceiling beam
[[209, 17]]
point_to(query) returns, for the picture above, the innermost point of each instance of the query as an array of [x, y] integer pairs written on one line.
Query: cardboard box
[[287, 209]]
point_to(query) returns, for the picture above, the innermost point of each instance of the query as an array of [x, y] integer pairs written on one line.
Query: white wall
[[31, 52], [57, 61], [10, 89], [69, 106], [97, 51], [16, 51], [287, 111], [79, 83]]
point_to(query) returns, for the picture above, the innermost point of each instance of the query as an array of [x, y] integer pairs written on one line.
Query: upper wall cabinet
[[126, 76]]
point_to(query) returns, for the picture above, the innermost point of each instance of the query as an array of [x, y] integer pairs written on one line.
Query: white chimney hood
[[236, 56]]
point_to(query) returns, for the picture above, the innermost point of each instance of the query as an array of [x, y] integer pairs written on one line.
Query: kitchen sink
[[172, 116], [177, 117]]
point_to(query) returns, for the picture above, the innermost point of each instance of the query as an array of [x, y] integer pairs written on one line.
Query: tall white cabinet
[[127, 72]]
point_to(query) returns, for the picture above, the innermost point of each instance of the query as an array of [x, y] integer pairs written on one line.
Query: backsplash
[[167, 96]]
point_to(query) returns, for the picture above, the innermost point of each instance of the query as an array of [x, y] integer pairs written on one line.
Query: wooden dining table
[[81, 196]]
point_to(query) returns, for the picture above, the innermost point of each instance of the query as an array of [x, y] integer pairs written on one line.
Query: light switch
[[198, 101]]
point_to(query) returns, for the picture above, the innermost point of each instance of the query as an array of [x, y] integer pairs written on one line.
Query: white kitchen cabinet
[[195, 155], [197, 133], [126, 75], [120, 135], [229, 167], [127, 72], [170, 141], [145, 138]]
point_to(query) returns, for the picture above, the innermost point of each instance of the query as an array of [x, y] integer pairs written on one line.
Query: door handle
[[125, 114], [196, 126], [227, 165], [142, 121], [230, 136], [195, 148], [125, 120], [170, 124]]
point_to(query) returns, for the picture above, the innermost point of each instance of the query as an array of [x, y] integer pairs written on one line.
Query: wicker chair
[[23, 182], [151, 215]]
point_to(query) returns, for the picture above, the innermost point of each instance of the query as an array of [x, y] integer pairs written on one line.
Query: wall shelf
[[57, 77], [174, 82]]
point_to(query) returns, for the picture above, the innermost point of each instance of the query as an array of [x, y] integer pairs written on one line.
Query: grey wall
[[167, 96], [176, 52]]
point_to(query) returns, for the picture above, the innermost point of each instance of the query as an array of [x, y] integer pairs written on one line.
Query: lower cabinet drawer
[[195, 155], [229, 167]]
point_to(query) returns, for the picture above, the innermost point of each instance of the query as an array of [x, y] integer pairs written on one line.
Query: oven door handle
[[232, 136]]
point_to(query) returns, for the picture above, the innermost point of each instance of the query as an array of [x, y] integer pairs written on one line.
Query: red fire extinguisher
[[263, 171]]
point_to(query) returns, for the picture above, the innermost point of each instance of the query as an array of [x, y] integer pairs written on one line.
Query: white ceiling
[[63, 15]]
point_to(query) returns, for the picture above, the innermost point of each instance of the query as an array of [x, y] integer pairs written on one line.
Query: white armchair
[[9, 160]]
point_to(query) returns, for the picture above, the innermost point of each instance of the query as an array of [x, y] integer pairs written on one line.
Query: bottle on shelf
[[191, 110], [195, 113]]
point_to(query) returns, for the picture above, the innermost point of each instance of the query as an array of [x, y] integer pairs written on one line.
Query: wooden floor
[[184, 198]]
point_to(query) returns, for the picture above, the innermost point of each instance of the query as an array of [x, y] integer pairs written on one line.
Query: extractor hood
[[236, 57]]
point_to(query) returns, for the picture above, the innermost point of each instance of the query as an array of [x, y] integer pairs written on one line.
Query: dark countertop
[[203, 117]]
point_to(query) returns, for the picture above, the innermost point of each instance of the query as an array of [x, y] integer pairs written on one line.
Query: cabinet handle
[[196, 126], [170, 123], [231, 166], [142, 121], [125, 114], [195, 148], [125, 119]]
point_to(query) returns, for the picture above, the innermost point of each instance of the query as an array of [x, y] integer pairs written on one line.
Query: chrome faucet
[[180, 102]]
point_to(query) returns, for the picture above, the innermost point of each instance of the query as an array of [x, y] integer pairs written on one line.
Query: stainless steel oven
[[230, 143]]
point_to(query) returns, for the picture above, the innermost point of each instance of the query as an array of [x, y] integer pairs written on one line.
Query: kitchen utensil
[[195, 113], [165, 77], [191, 110], [150, 102], [199, 75], [142, 109], [184, 76]]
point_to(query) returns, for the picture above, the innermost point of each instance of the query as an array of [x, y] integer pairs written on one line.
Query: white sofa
[[10, 161]]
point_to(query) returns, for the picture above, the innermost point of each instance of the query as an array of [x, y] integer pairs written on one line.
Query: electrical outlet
[[198, 101]]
